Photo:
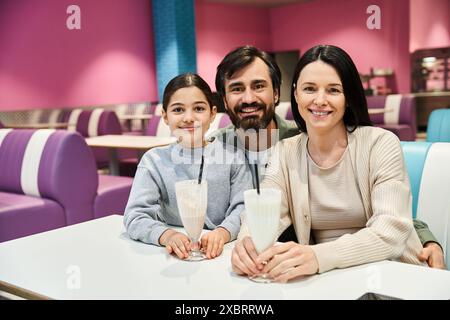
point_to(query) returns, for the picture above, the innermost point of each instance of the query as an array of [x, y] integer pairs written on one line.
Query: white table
[[96, 260], [114, 142]]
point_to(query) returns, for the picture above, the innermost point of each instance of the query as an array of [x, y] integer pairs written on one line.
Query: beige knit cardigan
[[379, 169]]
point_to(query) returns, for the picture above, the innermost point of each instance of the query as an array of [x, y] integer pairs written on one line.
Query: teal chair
[[438, 128], [415, 155], [428, 166]]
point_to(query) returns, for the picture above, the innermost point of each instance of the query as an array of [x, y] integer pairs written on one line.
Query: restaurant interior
[[98, 68]]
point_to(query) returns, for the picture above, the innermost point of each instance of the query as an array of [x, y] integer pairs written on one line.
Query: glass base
[[261, 278], [196, 255]]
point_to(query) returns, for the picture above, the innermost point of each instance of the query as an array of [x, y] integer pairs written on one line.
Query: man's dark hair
[[356, 112], [241, 57]]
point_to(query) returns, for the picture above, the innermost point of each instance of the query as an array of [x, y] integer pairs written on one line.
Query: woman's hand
[[212, 242], [176, 243], [289, 260], [244, 258]]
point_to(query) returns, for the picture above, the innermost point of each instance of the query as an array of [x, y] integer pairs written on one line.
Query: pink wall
[[43, 64], [302, 26], [430, 24], [221, 28]]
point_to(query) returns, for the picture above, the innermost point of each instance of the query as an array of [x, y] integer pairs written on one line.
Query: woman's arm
[[385, 236], [389, 228]]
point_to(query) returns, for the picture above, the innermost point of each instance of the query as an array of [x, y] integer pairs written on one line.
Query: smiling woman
[[344, 182]]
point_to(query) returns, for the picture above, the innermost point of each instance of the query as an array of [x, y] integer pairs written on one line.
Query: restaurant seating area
[[49, 179], [82, 87], [94, 195], [92, 192], [398, 116]]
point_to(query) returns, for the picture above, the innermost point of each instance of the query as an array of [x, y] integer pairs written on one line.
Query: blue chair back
[[415, 154], [429, 173], [438, 128]]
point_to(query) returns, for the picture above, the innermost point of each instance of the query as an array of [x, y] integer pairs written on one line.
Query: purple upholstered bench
[[400, 117], [48, 115], [133, 109], [157, 127], [112, 195], [48, 179], [98, 122]]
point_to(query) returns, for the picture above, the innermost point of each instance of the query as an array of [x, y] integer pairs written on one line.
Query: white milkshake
[[263, 217], [192, 201]]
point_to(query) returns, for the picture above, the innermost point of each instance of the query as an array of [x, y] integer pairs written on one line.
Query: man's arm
[[424, 232], [432, 252]]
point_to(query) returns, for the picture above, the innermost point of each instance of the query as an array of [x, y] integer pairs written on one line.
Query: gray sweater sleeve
[[143, 208], [241, 180]]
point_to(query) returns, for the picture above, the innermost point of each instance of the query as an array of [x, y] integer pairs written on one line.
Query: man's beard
[[253, 122]]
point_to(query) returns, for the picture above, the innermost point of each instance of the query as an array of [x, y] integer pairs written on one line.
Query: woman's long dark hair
[[356, 113]]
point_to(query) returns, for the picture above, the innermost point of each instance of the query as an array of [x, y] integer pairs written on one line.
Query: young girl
[[152, 205]]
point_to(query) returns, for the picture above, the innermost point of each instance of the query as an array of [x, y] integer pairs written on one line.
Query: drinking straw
[[201, 170], [257, 177]]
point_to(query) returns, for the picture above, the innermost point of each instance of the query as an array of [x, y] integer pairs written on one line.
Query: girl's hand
[[212, 242], [289, 260], [176, 243]]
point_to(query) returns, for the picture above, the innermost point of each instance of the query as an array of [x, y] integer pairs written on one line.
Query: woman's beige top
[[377, 163], [332, 214]]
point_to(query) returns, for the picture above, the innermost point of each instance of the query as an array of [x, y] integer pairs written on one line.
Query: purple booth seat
[[135, 109], [98, 122], [157, 127], [401, 119], [49, 116], [64, 115], [48, 179], [112, 195], [22, 215]]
